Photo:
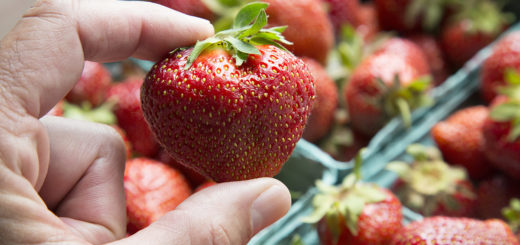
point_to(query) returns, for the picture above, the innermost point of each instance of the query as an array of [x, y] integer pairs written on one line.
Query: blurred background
[[10, 12]]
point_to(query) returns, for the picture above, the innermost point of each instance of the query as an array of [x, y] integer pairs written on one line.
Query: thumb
[[227, 213]]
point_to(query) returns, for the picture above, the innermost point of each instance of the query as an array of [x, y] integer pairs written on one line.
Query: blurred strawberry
[[476, 26], [385, 85], [432, 187], [505, 56], [308, 26], [343, 12], [355, 212], [494, 194], [189, 7], [57, 110], [194, 177], [434, 55], [502, 135], [461, 141], [407, 49], [128, 145], [152, 189], [446, 230], [95, 80], [367, 25], [130, 118], [411, 16], [322, 114]]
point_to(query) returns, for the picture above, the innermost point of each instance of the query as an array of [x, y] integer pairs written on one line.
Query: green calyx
[[101, 114], [344, 203], [512, 214], [510, 110], [483, 16], [247, 32], [429, 181], [399, 100]]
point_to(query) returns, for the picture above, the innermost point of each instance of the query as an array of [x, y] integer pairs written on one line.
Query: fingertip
[[270, 206]]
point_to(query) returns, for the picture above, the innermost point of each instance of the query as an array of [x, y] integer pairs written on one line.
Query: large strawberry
[[130, 117], [505, 56], [322, 114], [411, 15], [234, 106], [432, 187], [190, 7], [461, 141], [355, 212], [152, 189], [388, 83], [447, 230], [95, 80], [471, 30], [494, 194]]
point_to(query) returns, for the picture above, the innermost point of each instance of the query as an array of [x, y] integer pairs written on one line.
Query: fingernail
[[269, 206]]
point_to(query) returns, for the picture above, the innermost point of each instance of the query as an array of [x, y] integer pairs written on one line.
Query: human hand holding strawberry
[[62, 179]]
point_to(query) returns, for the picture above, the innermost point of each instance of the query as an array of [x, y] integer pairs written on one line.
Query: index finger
[[42, 57]]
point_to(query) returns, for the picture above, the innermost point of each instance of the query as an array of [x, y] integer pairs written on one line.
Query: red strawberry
[[434, 55], [461, 141], [230, 116], [410, 15], [342, 12], [494, 194], [384, 85], [130, 116], [309, 27], [95, 80], [152, 189], [432, 187], [471, 30], [322, 114], [57, 110], [502, 135], [445, 230], [193, 176], [355, 212], [505, 56], [367, 26], [189, 7], [409, 50]]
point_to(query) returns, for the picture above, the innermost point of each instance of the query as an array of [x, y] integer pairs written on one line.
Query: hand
[[61, 181]]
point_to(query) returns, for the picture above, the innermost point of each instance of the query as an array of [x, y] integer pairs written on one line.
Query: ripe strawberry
[[505, 56], [130, 118], [322, 114], [95, 80], [308, 26], [57, 110], [367, 25], [434, 55], [384, 85], [409, 50], [189, 7], [343, 12], [502, 135], [191, 175], [230, 116], [408, 16], [152, 189], [494, 194], [461, 141], [432, 187], [471, 30], [355, 212], [445, 230]]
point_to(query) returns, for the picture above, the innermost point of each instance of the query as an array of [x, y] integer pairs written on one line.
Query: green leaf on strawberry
[[247, 33]]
